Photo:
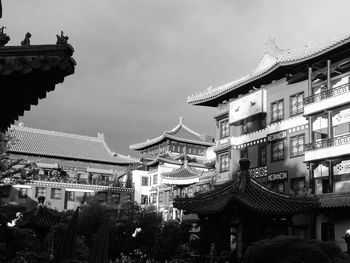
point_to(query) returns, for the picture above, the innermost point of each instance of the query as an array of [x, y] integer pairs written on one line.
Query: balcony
[[327, 148], [327, 99]]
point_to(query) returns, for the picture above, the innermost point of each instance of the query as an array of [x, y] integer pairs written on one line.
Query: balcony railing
[[327, 94], [84, 181], [341, 140]]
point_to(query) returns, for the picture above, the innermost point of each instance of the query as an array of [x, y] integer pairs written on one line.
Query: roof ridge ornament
[[271, 47], [4, 38]]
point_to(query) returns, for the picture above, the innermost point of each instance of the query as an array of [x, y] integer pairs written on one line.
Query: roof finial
[[181, 120], [271, 46]]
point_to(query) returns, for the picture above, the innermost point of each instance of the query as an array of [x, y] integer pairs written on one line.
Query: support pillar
[[329, 85]]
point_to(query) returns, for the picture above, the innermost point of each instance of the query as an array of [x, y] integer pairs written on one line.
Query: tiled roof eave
[[72, 158], [202, 98], [189, 140]]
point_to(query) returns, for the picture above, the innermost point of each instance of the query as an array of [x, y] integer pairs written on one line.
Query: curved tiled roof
[[269, 62], [63, 145], [179, 133], [254, 197], [333, 200], [182, 173], [28, 73]]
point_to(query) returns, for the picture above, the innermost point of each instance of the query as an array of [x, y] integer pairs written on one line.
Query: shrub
[[287, 249]]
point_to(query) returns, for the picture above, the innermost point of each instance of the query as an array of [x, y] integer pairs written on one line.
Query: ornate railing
[[258, 172], [341, 140], [327, 94]]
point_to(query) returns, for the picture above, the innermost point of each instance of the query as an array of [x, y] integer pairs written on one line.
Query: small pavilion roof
[[254, 197], [179, 133], [27, 73], [273, 59], [181, 176], [37, 142]]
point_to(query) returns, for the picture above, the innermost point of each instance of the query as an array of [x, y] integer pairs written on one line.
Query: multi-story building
[[175, 164], [290, 117], [69, 168]]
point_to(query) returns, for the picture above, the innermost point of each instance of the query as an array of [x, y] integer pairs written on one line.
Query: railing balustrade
[[341, 140], [327, 94]]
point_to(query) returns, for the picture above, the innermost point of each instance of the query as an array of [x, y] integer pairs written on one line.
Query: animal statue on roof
[[26, 41], [4, 38], [62, 39]]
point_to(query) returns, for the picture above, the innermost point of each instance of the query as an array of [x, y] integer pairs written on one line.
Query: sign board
[[277, 176], [277, 136], [247, 105]]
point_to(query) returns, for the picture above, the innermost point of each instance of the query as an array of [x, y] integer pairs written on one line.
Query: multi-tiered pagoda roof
[[180, 133]]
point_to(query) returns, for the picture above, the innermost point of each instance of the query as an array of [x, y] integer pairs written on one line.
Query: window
[[56, 193], [277, 186], [102, 197], [277, 150], [144, 181], [161, 197], [144, 199], [296, 104], [154, 198], [244, 153], [22, 193], [262, 155], [297, 145], [155, 178], [224, 128], [298, 185], [71, 196], [277, 111], [40, 191], [224, 162], [115, 197], [245, 129]]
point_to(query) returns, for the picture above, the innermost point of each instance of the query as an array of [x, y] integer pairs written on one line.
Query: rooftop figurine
[[26, 41], [62, 39], [4, 38]]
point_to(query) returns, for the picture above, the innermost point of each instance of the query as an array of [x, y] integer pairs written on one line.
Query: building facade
[[289, 117], [174, 164], [69, 168]]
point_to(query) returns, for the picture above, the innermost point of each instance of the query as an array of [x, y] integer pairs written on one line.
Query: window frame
[[20, 193], [144, 181], [292, 155], [299, 111], [221, 167], [70, 196], [37, 191], [224, 131], [284, 150], [54, 195], [116, 197], [271, 113]]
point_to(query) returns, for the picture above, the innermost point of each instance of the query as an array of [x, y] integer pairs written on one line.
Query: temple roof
[[182, 173], [273, 59], [179, 133], [254, 197], [27, 73], [44, 143]]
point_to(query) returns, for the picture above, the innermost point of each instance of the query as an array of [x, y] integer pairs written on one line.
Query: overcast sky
[[138, 60]]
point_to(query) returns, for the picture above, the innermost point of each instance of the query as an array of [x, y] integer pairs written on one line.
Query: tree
[[17, 170]]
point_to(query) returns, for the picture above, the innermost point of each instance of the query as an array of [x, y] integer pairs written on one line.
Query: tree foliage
[[287, 249]]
